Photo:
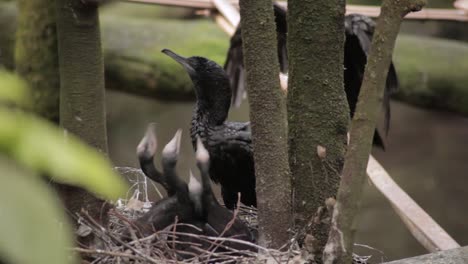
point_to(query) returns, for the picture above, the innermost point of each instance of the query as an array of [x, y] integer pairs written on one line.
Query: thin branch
[[340, 241]]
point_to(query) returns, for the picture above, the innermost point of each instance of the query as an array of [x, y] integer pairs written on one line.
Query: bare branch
[[340, 241]]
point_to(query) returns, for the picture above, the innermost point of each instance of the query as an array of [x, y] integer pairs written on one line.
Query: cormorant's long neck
[[148, 168], [213, 102]]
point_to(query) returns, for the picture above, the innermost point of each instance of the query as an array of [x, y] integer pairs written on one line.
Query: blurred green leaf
[[41, 146], [33, 227], [13, 89]]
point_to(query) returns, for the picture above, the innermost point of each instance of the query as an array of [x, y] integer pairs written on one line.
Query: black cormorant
[[216, 216], [229, 143], [358, 36]]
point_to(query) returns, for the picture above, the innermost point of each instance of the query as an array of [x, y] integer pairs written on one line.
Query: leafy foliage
[[33, 227], [43, 148], [13, 89]]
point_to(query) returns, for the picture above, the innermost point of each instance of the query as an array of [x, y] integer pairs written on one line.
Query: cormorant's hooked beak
[[172, 149], [182, 60], [148, 144]]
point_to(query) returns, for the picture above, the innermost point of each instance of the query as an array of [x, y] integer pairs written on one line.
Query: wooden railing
[[372, 11]]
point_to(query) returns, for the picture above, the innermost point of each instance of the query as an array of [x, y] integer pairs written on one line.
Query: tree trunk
[[269, 122], [340, 244], [8, 19], [318, 114], [36, 55], [82, 106]]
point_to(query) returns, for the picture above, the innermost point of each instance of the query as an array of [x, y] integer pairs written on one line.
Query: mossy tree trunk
[[269, 122], [339, 248], [318, 114], [82, 106], [36, 54]]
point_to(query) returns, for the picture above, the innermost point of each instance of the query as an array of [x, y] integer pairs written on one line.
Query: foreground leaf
[[33, 228], [42, 147], [13, 89]]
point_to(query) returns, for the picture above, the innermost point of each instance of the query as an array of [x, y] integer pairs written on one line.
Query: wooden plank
[[461, 4], [420, 224], [372, 11], [425, 14], [224, 24], [453, 256], [228, 11]]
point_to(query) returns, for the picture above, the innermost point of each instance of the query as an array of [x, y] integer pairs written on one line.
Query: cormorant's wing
[[234, 65], [231, 162], [282, 33], [359, 31], [234, 135]]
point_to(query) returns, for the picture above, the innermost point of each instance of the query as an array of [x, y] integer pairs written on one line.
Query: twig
[[229, 224], [340, 240], [136, 251], [107, 253]]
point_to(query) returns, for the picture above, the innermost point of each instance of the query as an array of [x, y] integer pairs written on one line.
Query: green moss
[[431, 4], [36, 54], [432, 73], [7, 36], [132, 10], [133, 56]]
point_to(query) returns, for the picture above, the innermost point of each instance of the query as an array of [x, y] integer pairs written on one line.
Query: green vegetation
[[432, 73], [134, 61], [33, 227], [430, 4]]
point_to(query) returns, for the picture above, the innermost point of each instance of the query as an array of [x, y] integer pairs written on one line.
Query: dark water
[[427, 156]]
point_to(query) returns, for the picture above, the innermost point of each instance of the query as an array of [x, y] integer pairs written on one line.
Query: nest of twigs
[[121, 242]]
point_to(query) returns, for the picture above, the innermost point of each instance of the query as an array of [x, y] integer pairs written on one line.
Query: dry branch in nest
[[121, 242]]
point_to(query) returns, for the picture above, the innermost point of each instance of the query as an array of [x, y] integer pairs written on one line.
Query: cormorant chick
[[216, 216], [358, 37], [146, 150], [178, 204], [228, 143], [188, 203]]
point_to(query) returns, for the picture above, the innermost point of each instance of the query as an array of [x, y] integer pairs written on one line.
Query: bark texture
[[36, 54], [8, 16], [269, 122], [318, 114], [340, 244], [82, 105]]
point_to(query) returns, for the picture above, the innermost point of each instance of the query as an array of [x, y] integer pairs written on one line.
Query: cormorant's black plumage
[[358, 32], [178, 203], [192, 204], [145, 152], [229, 143], [216, 215]]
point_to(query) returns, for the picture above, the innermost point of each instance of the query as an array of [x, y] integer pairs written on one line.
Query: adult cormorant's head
[[211, 83]]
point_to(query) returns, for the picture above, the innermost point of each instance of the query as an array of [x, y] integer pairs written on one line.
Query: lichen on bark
[[269, 122], [341, 238], [36, 54], [318, 114], [82, 104]]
